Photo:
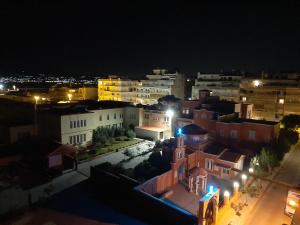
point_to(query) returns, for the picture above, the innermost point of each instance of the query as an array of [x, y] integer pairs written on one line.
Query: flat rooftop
[[184, 199], [240, 120]]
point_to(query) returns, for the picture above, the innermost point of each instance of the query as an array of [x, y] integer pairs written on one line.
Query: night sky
[[132, 38]]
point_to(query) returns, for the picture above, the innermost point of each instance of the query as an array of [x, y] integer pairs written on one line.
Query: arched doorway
[[210, 213]]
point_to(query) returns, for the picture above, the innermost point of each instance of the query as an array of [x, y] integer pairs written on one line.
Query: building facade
[[223, 85], [146, 92], [117, 89], [272, 97]]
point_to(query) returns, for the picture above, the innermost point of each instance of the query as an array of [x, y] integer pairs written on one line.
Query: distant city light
[[256, 83]]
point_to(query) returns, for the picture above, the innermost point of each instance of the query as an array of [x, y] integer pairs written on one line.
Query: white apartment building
[[159, 84], [75, 125], [147, 92], [222, 85]]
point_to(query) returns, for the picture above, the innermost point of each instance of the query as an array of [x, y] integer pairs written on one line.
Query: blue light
[[211, 189], [179, 132]]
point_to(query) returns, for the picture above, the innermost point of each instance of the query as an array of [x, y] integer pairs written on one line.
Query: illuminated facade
[[117, 89], [272, 98]]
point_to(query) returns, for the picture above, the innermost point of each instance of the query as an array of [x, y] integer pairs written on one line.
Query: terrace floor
[[184, 199]]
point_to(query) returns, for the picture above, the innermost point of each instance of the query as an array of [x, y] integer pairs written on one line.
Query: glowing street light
[[281, 101], [251, 170], [1, 87], [70, 97], [256, 83], [226, 197], [292, 203], [43, 98], [170, 113], [36, 98], [14, 87], [236, 184]]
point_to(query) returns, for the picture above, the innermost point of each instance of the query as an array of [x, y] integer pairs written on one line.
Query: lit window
[[281, 101], [244, 99]]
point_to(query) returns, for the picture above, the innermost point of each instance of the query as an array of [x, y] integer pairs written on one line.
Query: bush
[[130, 134]]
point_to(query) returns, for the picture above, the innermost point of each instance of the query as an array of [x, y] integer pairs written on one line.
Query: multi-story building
[[159, 84], [74, 123], [226, 86], [227, 122], [117, 89], [147, 92], [272, 96], [58, 93]]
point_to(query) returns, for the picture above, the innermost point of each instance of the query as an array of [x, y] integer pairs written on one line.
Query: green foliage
[[291, 121], [292, 136], [168, 99], [265, 161], [144, 170], [130, 134]]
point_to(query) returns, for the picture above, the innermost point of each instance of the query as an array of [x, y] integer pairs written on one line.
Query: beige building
[[159, 84], [74, 124], [147, 92], [117, 89], [64, 93], [223, 85], [272, 97]]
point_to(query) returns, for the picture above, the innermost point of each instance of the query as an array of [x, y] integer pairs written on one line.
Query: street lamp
[[36, 98], [251, 170], [244, 178], [256, 83], [170, 113], [70, 97], [236, 186], [226, 197], [1, 87]]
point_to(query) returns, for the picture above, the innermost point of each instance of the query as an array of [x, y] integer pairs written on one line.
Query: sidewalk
[[230, 217]]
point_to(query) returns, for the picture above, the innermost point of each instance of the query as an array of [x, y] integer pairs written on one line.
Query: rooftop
[[240, 120], [230, 156], [193, 129], [214, 149]]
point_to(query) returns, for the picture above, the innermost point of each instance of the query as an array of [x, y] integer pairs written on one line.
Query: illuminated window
[[244, 99]]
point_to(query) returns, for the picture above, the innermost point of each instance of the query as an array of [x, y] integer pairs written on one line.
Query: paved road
[[270, 208]]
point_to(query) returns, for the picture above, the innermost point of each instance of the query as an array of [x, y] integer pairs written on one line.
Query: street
[[269, 210]]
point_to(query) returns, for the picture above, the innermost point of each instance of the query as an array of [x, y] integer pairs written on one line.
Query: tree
[[266, 160], [292, 136], [291, 121], [130, 134]]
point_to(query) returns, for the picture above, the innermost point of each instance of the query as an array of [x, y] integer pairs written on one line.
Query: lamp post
[[226, 197], [36, 98], [70, 97], [170, 114], [244, 179], [236, 186]]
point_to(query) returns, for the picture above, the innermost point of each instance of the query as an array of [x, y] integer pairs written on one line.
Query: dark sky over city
[[131, 38]]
